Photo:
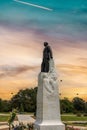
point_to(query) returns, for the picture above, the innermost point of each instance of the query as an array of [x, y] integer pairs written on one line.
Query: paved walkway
[[25, 119], [4, 127], [3, 123], [77, 127], [2, 114]]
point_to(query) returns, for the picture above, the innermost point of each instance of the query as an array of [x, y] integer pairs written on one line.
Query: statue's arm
[[50, 52]]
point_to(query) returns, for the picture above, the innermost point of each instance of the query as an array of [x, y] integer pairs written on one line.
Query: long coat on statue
[[47, 55]]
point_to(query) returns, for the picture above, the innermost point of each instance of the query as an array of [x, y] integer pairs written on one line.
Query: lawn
[[73, 118], [63, 117], [4, 118]]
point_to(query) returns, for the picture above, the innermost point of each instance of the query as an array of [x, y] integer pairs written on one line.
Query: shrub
[[79, 114], [12, 117], [85, 114]]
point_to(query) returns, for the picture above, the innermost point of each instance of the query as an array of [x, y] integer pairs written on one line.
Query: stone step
[[3, 123], [25, 119], [4, 127]]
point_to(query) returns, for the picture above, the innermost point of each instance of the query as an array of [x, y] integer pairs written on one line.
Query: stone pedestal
[[48, 107]]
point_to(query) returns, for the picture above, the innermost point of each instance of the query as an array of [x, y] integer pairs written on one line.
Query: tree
[[66, 105], [1, 105], [79, 104], [5, 106], [12, 118], [25, 99], [85, 107]]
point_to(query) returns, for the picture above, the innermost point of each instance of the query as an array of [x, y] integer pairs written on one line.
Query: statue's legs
[[45, 66]]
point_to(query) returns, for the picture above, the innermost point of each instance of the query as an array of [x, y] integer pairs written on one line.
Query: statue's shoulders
[[48, 47]]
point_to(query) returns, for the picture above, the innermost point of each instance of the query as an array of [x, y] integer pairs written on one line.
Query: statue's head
[[45, 44]]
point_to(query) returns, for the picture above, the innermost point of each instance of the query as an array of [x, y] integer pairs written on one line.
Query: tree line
[[25, 101]]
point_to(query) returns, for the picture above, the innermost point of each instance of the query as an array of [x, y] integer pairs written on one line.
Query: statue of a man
[[47, 55]]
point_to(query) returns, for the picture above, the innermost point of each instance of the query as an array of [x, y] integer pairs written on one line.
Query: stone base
[[49, 126], [48, 105]]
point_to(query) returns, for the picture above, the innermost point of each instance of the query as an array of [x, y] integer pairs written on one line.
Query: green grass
[[4, 112], [66, 117], [4, 118], [73, 118]]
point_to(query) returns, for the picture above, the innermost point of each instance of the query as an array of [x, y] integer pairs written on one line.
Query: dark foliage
[[79, 104], [66, 105], [25, 101], [5, 106]]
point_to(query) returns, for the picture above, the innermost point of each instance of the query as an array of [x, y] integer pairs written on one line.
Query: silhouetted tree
[[5, 106], [79, 104], [25, 99], [66, 105], [85, 107]]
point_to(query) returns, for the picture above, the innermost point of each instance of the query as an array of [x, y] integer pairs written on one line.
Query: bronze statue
[[47, 55]]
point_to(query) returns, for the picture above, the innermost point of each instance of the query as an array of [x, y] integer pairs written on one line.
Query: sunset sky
[[24, 28]]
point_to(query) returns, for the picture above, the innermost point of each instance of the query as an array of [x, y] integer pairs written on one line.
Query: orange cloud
[[14, 70], [21, 56]]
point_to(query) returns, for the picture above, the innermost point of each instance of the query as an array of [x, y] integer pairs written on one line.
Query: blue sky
[[71, 15]]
